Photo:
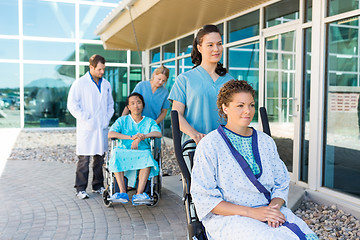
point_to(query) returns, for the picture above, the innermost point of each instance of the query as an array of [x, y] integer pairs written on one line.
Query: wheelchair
[[196, 230], [152, 188]]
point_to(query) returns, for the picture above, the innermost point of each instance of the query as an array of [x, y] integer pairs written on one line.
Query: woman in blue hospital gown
[[227, 202], [133, 152], [194, 92]]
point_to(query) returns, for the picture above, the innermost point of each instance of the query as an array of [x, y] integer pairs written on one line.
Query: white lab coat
[[93, 111]]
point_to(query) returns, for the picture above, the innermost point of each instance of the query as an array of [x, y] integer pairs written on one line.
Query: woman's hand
[[197, 137], [135, 144], [269, 214], [139, 136]]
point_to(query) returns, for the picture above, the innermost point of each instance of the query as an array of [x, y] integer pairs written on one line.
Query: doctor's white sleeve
[[74, 103]]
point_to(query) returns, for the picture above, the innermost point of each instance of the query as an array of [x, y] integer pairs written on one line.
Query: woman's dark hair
[[196, 57], [227, 92], [136, 95]]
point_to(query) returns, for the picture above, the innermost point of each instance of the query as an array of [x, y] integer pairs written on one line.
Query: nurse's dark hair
[[227, 92], [161, 70], [196, 57], [95, 59], [136, 95]]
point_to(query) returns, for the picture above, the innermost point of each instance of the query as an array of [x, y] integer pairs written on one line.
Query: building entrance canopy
[[159, 21]]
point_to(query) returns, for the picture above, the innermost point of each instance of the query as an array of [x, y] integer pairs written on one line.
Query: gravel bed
[[327, 222]]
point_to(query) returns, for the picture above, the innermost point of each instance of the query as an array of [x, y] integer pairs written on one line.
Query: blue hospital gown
[[123, 158], [217, 176], [198, 92]]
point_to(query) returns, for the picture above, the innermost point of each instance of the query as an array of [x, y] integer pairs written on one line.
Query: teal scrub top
[[198, 92], [154, 102]]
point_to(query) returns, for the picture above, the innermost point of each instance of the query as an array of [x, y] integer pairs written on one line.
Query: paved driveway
[[38, 202]]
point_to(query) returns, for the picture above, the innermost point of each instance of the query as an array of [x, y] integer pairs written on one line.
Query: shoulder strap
[[245, 167], [243, 164]]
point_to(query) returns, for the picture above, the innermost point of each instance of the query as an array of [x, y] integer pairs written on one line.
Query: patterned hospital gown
[[123, 158], [217, 176]]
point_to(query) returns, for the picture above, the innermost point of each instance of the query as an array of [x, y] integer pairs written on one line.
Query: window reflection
[[53, 51], [49, 19], [169, 84], [168, 51], [90, 17], [244, 65], [87, 50], [155, 55], [341, 6], [185, 65], [306, 106], [243, 27], [185, 45], [45, 95], [9, 49], [342, 116], [281, 12], [279, 92], [9, 18], [10, 96]]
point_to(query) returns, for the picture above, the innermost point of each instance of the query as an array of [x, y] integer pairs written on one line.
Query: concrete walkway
[[38, 202]]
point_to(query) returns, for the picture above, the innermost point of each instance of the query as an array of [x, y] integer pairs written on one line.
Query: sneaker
[[141, 199], [82, 195], [99, 191], [120, 197]]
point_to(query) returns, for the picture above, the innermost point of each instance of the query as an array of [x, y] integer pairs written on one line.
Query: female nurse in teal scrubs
[[194, 92]]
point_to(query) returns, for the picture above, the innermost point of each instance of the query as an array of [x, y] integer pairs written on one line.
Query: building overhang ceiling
[[159, 21]]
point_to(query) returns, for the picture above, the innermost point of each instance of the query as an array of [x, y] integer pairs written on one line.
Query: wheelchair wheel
[[156, 198], [105, 196]]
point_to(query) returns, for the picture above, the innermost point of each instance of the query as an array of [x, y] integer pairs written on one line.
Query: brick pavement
[[37, 201]]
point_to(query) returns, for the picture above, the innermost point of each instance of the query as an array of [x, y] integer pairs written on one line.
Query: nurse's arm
[[117, 135], [184, 125], [161, 116], [125, 111]]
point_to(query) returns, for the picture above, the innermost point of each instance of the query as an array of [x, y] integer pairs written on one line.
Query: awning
[[159, 21]]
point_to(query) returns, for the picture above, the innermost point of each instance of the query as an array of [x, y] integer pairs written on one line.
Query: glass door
[[280, 94]]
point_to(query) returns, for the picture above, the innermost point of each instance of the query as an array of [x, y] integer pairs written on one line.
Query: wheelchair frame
[[196, 230], [153, 186]]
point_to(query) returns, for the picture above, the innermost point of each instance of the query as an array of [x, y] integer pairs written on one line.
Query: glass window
[[168, 51], [341, 6], [87, 50], [308, 10], [185, 65], [342, 112], [52, 51], [90, 17], [243, 27], [185, 45], [306, 82], [10, 96], [9, 48], [244, 65], [136, 57], [135, 77], [155, 55], [9, 18], [281, 12], [46, 87], [279, 91], [49, 19]]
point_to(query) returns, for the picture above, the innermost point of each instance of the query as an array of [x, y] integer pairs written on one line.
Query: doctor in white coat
[[91, 103]]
